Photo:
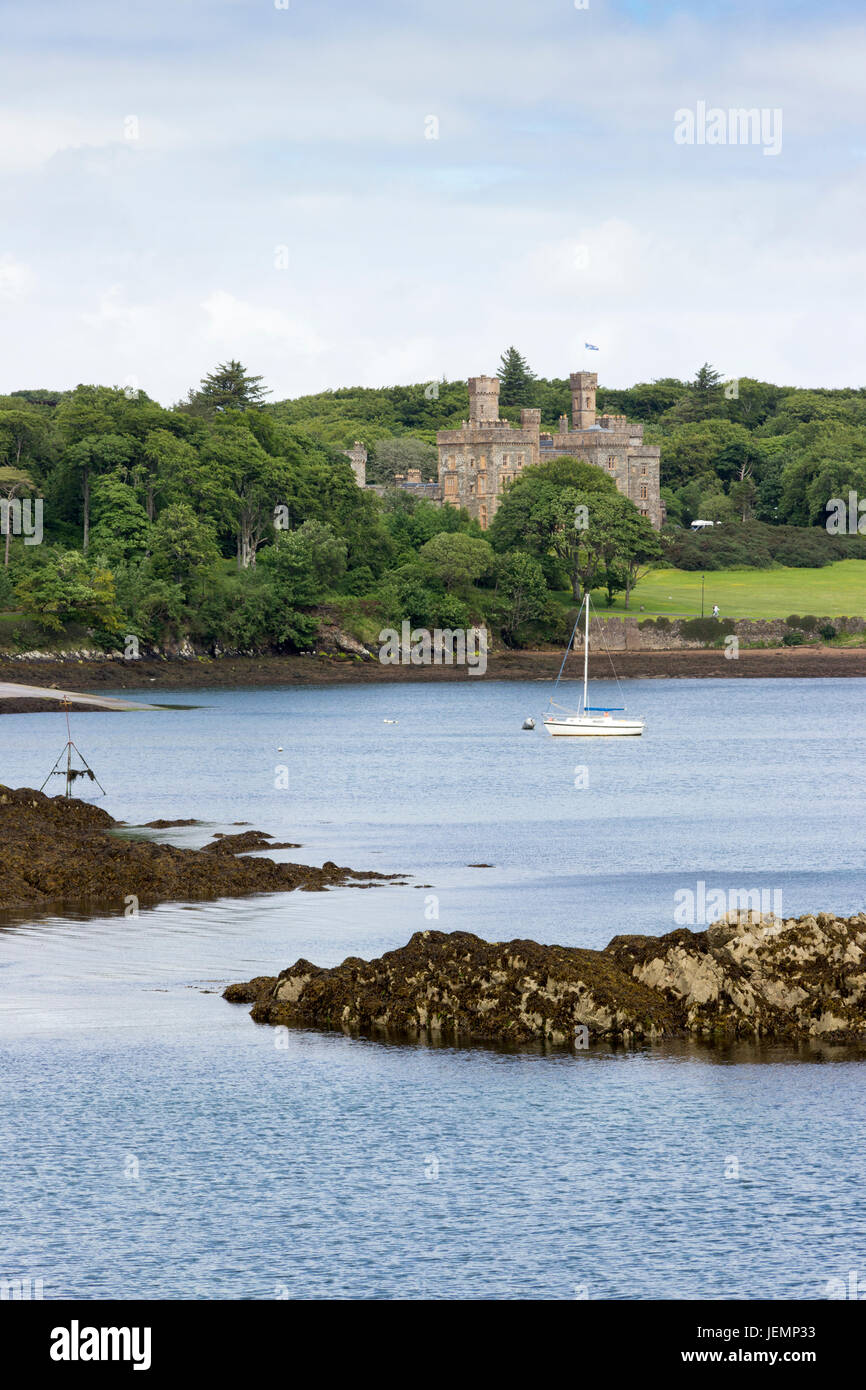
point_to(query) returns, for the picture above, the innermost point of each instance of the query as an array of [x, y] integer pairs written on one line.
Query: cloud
[[233, 324], [16, 280], [553, 208]]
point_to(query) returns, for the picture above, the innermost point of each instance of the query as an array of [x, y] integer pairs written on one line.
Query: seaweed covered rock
[[58, 850], [754, 976], [456, 985], [745, 977]]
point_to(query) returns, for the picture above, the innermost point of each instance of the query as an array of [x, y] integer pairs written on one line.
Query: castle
[[476, 461]]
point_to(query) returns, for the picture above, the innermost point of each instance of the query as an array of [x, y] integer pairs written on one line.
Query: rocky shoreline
[[745, 977], [61, 852], [156, 675]]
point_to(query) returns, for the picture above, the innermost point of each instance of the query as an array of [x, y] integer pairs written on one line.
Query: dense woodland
[[237, 523]]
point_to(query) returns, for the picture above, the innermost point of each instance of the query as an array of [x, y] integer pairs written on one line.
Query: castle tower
[[357, 456], [583, 387], [483, 400]]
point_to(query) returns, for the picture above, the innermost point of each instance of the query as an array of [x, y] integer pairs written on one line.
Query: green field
[[834, 591]]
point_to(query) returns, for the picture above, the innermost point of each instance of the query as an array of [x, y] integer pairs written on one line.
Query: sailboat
[[590, 721]]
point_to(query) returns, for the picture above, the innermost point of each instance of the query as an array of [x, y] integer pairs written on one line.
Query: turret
[[483, 400], [583, 388]]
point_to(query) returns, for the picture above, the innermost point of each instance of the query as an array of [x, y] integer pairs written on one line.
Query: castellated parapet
[[478, 461]]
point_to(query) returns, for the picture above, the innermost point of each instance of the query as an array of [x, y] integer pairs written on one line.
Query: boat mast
[[586, 652]]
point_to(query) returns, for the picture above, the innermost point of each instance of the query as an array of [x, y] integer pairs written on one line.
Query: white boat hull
[[586, 726]]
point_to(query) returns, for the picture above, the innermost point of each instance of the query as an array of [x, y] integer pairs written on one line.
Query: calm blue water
[[155, 1143]]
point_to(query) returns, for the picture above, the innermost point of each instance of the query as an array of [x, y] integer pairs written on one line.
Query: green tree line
[[237, 523]]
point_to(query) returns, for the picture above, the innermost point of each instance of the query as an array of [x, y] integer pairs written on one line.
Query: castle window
[[482, 516], [450, 484], [643, 468], [611, 461], [643, 491]]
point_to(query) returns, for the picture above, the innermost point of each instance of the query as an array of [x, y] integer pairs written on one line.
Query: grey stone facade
[[478, 460], [357, 456]]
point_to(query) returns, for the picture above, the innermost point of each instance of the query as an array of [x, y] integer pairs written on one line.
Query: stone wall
[[634, 634]]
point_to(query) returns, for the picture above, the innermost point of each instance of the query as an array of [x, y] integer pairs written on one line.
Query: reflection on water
[[328, 1165]]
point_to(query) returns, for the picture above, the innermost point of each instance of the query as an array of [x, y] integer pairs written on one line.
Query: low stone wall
[[683, 634]]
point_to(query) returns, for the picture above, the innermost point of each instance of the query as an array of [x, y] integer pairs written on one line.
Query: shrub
[[793, 639], [827, 631], [660, 624], [706, 629], [806, 624], [360, 581]]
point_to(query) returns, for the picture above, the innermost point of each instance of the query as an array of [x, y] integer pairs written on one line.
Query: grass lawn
[[833, 591]]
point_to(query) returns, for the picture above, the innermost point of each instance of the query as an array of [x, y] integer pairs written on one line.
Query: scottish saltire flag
[[591, 347]]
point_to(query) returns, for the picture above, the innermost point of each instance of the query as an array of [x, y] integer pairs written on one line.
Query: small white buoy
[[529, 722], [279, 750], [390, 721]]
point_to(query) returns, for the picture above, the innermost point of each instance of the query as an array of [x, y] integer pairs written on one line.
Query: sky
[[345, 194]]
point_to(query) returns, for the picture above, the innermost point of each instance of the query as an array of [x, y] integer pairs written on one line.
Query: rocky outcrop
[[754, 976], [56, 851], [745, 977]]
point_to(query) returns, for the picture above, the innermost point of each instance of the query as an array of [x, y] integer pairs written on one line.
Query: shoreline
[[245, 672], [58, 852]]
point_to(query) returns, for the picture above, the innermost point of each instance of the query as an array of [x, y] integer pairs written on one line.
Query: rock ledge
[[744, 977]]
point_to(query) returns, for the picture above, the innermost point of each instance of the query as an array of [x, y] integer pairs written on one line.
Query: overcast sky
[[186, 180]]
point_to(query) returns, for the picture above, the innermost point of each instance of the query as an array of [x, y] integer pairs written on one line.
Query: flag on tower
[[591, 347]]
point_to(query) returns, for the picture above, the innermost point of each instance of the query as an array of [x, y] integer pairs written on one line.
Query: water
[[155, 1143]]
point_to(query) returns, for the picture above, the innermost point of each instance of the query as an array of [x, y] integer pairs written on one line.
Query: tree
[[743, 494], [121, 529], [516, 379], [391, 456], [97, 454], [247, 483], [592, 532], [169, 466], [456, 561], [65, 587], [304, 564], [522, 520], [183, 546], [635, 547], [703, 397], [229, 387], [13, 482], [21, 431], [521, 587], [301, 566], [530, 517]]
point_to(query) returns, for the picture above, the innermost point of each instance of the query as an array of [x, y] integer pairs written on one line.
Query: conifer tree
[[229, 387], [517, 381]]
